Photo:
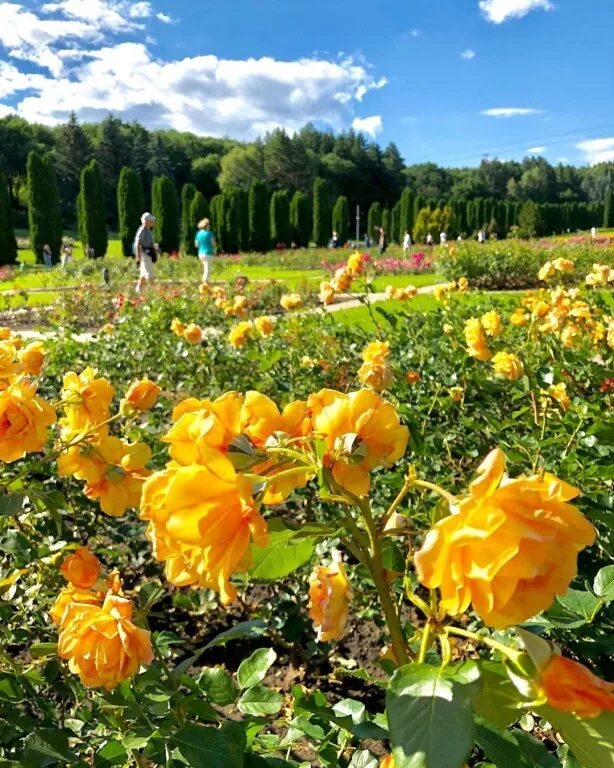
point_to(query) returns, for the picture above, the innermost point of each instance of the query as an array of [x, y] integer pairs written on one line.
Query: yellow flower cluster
[[113, 469], [291, 301], [600, 276], [236, 308], [443, 291], [375, 371], [508, 548], [551, 268], [401, 294], [343, 278], [505, 364], [192, 333], [97, 636], [330, 595], [243, 331], [475, 338]]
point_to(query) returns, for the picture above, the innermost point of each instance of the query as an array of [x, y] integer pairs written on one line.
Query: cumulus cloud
[[468, 54], [369, 125], [597, 150], [536, 150], [499, 11], [511, 111]]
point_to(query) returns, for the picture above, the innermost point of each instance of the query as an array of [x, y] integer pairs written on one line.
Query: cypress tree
[[165, 207], [280, 218], [93, 225], [419, 204], [43, 206], [232, 218], [395, 223], [406, 213], [300, 219], [489, 213], [608, 209], [386, 222], [374, 220], [244, 201], [199, 210], [188, 192], [321, 212], [341, 218], [218, 220], [130, 207], [479, 213], [259, 223], [8, 244]]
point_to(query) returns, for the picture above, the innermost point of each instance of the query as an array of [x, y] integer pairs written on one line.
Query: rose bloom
[[240, 333], [193, 334], [412, 377], [558, 392], [107, 328], [571, 687], [329, 599], [342, 280], [327, 293], [24, 420], [369, 423], [491, 323], [375, 375], [86, 400], [291, 301], [509, 547], [600, 275], [463, 284], [563, 265], [202, 521], [376, 352], [569, 335], [32, 358], [387, 762], [456, 394], [102, 645], [540, 309], [5, 333], [142, 395], [68, 601], [477, 346], [448, 329], [355, 264], [264, 325], [546, 272], [177, 327], [507, 366], [519, 318], [120, 486], [81, 569], [8, 355]]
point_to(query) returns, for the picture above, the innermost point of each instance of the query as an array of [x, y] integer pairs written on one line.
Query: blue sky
[[446, 80]]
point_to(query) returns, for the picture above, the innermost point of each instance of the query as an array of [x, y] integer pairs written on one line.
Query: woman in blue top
[[205, 242]]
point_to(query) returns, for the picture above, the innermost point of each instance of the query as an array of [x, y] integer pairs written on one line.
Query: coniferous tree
[[199, 210], [386, 222], [259, 221], [232, 214], [43, 206], [395, 222], [321, 212], [341, 218], [93, 224], [406, 213], [218, 221], [165, 207], [280, 218], [72, 152], [188, 192], [130, 207], [8, 244], [374, 220], [608, 209], [300, 219], [244, 200], [419, 204]]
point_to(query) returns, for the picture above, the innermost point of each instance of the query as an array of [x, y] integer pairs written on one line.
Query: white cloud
[[103, 14], [536, 150], [499, 11], [6, 110], [415, 33], [597, 150], [165, 18], [140, 11], [369, 125], [468, 54], [511, 111]]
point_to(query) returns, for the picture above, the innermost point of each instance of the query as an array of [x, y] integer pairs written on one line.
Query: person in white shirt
[[594, 233], [406, 243], [443, 238], [429, 239], [481, 236]]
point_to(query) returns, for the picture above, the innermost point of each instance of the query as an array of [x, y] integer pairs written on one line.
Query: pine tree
[[188, 191], [8, 244], [479, 213], [321, 212], [259, 221], [43, 206], [608, 209], [232, 214], [280, 218], [374, 220], [300, 219], [72, 152], [406, 213], [165, 207], [130, 207], [93, 225], [341, 218]]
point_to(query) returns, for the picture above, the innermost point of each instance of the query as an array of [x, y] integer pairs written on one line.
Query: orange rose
[[193, 333], [571, 687], [142, 395], [81, 569], [32, 358], [507, 366], [24, 419], [387, 762], [509, 547], [329, 599], [68, 601], [477, 346]]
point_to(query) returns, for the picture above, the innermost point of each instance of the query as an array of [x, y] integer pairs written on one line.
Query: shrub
[[93, 225], [374, 220], [199, 210], [406, 213], [188, 192], [300, 219], [232, 218], [165, 207], [259, 219], [44, 213], [280, 218], [341, 218], [321, 212], [8, 243], [130, 207]]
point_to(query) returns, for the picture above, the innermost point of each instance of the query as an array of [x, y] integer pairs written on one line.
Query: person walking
[[383, 242], [47, 257], [205, 242], [443, 238], [406, 243], [145, 250], [429, 239]]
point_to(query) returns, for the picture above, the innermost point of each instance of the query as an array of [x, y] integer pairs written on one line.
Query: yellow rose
[[81, 569], [456, 394], [376, 352], [477, 346], [68, 601], [600, 275], [32, 358], [491, 323], [546, 272], [387, 762], [463, 284], [448, 329], [355, 264], [241, 332], [377, 376], [507, 366], [519, 318], [5, 333], [8, 355], [558, 392], [24, 420], [342, 280], [107, 328], [142, 395], [102, 645], [509, 547], [260, 417], [570, 335], [193, 334], [327, 293], [412, 377], [329, 600], [87, 400], [570, 687], [291, 301], [563, 265], [540, 309], [264, 325], [177, 327]]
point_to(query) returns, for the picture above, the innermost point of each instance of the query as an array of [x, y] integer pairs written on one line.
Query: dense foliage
[[8, 243], [44, 217], [165, 207], [130, 207]]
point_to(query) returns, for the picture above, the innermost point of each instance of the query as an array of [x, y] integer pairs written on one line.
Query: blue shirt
[[204, 240]]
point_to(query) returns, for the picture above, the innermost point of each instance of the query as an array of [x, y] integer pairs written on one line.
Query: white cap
[[147, 217]]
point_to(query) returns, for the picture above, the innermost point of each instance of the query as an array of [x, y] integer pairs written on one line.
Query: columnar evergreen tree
[[374, 219], [72, 152], [259, 221], [232, 218], [300, 219], [396, 235], [479, 213], [130, 207], [217, 214], [93, 225], [608, 209], [165, 207], [199, 210], [280, 218], [244, 200], [43, 206], [422, 225], [386, 221], [341, 218], [321, 212], [188, 192], [406, 213], [419, 204], [8, 244], [488, 211], [530, 219]]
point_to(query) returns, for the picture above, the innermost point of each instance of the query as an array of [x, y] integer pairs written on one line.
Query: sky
[[448, 81]]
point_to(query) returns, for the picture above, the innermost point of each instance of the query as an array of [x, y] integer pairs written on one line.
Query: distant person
[[481, 236], [335, 240], [594, 233], [443, 238], [429, 239], [205, 242], [383, 242], [66, 254], [47, 257], [90, 252], [459, 239], [367, 240], [406, 243], [145, 250]]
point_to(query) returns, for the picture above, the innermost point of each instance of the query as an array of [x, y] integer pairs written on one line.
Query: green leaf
[[363, 759], [11, 504], [591, 740], [604, 583], [583, 604], [497, 698], [253, 669], [430, 715], [499, 746], [534, 753], [48, 746], [40, 650], [284, 553], [259, 701], [351, 708], [218, 685], [10, 688], [201, 746], [113, 753], [149, 594]]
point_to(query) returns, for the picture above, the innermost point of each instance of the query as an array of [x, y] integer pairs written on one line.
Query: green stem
[[426, 641], [409, 481], [432, 487], [503, 649]]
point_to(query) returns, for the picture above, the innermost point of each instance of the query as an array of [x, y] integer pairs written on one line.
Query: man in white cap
[[145, 250]]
